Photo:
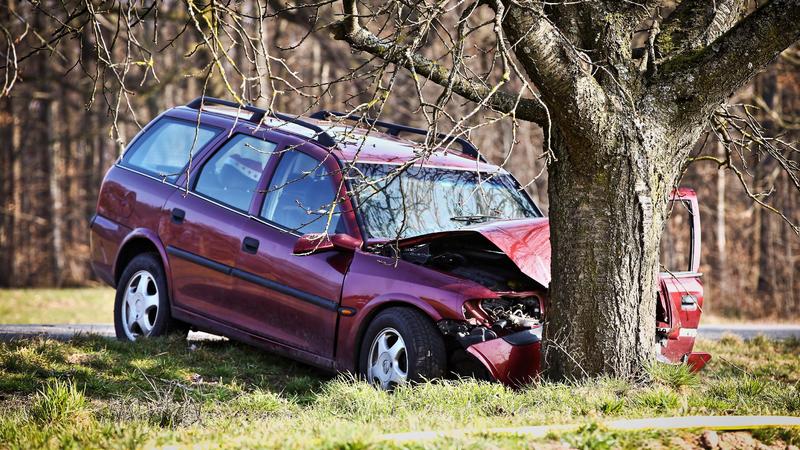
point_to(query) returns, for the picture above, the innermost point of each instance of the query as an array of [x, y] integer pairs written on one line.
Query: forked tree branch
[[697, 23], [708, 76], [562, 72], [359, 38]]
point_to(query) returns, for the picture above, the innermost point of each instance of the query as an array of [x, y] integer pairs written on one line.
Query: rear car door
[[135, 189], [203, 227], [288, 298], [681, 297]]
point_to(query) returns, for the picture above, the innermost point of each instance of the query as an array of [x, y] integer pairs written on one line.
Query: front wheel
[[141, 308], [401, 345]]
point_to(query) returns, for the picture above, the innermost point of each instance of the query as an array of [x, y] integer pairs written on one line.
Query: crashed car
[[332, 241]]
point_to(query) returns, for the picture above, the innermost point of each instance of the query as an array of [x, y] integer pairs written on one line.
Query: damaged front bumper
[[514, 359]]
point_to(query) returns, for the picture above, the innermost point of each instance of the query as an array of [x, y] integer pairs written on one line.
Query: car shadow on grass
[[107, 368]]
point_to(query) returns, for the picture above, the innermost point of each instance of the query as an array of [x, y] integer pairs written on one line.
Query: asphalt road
[[63, 331], [66, 331], [750, 330]]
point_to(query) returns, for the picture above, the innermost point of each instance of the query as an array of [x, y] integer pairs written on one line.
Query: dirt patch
[[736, 440]]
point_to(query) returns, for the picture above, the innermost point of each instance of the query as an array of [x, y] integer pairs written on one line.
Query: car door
[[681, 297], [203, 231], [288, 298]]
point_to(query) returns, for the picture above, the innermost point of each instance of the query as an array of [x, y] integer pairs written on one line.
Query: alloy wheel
[[140, 305], [388, 359]]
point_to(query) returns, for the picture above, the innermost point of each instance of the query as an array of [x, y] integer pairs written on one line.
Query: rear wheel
[[401, 345], [141, 308]]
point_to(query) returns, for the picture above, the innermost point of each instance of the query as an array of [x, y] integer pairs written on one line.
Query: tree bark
[[605, 229], [54, 160]]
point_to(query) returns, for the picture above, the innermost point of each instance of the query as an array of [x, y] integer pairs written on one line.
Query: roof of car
[[355, 142], [360, 144]]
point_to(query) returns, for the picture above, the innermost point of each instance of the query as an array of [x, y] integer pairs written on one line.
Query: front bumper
[[512, 360]]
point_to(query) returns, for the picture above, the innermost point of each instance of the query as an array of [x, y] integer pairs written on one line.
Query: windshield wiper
[[473, 218]]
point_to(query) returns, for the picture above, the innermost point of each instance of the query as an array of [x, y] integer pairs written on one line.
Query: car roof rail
[[395, 129], [322, 136]]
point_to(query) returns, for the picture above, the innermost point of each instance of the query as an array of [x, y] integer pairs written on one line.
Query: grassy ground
[[94, 392], [87, 305]]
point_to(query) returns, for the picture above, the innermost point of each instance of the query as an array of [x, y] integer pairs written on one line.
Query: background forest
[[74, 96]]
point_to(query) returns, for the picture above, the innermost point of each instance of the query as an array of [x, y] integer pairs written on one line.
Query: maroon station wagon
[[335, 245]]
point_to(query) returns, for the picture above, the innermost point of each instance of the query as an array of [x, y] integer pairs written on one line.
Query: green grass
[[58, 401], [99, 393], [24, 306], [93, 392]]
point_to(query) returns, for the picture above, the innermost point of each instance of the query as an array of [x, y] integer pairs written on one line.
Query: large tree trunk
[[606, 215]]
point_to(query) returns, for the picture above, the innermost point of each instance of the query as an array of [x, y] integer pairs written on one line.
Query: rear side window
[[231, 175], [165, 149], [303, 196]]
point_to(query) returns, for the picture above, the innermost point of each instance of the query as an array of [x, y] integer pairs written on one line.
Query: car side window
[[165, 149], [302, 196], [231, 175]]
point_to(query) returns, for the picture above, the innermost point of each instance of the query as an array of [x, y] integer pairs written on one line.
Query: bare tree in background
[[621, 89]]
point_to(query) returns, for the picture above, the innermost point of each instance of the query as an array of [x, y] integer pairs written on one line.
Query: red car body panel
[[525, 241], [315, 307], [376, 282], [510, 364]]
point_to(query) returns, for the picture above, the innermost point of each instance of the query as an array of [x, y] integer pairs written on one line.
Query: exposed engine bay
[[495, 317], [473, 259]]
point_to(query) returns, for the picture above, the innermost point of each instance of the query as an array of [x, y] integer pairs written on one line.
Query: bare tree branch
[[561, 71], [359, 38]]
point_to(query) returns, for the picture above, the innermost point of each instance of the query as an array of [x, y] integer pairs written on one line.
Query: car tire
[[141, 307], [401, 345]]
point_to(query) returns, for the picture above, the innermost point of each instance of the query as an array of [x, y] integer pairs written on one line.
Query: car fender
[[400, 299], [352, 328], [152, 237]]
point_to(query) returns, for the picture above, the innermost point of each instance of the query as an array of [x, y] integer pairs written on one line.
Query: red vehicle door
[[681, 291], [202, 229], [292, 299]]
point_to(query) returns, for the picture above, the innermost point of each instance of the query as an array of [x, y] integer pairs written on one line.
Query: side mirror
[[309, 244]]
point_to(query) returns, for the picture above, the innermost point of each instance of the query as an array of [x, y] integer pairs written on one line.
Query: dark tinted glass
[[302, 196], [231, 175], [164, 151]]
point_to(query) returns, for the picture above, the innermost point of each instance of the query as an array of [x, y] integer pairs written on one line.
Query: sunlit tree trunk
[[721, 241], [6, 192], [54, 167]]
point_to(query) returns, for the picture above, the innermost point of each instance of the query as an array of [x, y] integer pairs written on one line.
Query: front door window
[[302, 196]]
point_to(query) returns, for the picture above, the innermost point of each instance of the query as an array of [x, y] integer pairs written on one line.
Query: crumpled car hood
[[525, 241]]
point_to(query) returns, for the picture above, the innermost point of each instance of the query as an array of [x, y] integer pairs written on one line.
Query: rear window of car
[[166, 147]]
